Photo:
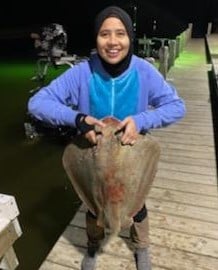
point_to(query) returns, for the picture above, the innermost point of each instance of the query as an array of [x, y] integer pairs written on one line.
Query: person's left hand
[[130, 134]]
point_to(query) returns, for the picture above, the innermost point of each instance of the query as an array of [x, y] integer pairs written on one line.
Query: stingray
[[112, 179]]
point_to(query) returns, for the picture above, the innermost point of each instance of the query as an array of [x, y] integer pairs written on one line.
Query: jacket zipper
[[112, 97]]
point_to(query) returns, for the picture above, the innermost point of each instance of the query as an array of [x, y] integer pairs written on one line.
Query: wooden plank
[[185, 225], [197, 155], [9, 261], [181, 260], [198, 96], [8, 207], [183, 134], [180, 158], [201, 118], [47, 265], [187, 168], [4, 223], [183, 210], [187, 129], [10, 231], [8, 236], [195, 188], [188, 147], [194, 103], [184, 197], [212, 43], [187, 177], [181, 241], [187, 141], [194, 111], [192, 139], [192, 120]]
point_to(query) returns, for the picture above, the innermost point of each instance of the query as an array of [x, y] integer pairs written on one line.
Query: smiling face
[[113, 42]]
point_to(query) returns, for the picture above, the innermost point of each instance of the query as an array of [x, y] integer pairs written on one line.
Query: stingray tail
[[113, 214]]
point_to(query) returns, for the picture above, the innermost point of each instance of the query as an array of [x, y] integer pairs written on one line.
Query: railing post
[[163, 58], [172, 52], [209, 28]]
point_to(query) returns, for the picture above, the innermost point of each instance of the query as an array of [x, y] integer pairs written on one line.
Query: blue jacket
[[140, 92]]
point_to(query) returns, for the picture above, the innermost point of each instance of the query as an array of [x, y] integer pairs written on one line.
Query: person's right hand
[[91, 135]]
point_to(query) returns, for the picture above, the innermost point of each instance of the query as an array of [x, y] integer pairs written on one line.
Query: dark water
[[31, 171]]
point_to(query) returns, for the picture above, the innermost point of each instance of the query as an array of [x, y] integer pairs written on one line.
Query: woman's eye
[[121, 34], [103, 34]]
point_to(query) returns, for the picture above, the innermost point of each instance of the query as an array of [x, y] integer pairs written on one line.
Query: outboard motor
[[51, 41]]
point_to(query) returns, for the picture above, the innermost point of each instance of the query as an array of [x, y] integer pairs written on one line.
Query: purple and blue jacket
[[140, 92]]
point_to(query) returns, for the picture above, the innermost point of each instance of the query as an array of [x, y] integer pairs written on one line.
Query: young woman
[[113, 82]]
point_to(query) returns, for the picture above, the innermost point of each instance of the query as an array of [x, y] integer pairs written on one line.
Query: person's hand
[[87, 125], [91, 135], [130, 134]]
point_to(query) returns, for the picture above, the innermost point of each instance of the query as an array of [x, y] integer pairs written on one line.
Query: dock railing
[[10, 231], [169, 49]]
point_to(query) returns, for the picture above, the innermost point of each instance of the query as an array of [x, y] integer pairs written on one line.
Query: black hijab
[[113, 11]]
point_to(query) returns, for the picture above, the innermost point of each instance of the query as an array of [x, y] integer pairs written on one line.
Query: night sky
[[17, 20]]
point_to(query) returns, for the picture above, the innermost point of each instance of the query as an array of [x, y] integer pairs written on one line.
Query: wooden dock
[[183, 201]]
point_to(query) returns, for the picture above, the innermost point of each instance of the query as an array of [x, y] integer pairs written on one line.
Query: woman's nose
[[112, 39]]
